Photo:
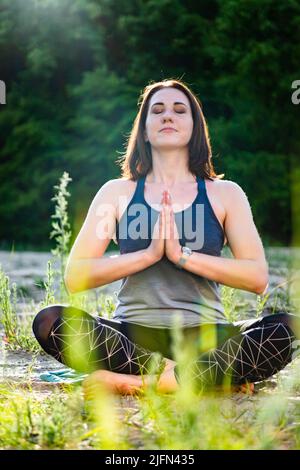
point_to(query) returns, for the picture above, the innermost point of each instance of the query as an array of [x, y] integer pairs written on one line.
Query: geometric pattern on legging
[[251, 356], [103, 346]]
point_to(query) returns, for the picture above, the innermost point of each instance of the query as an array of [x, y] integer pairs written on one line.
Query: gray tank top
[[153, 296]]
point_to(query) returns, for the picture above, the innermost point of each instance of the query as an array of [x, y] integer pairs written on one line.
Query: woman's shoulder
[[228, 191], [119, 187], [123, 184], [119, 183], [225, 190], [224, 184]]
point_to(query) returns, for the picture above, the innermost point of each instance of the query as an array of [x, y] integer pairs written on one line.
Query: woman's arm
[[250, 275], [86, 267], [84, 274], [249, 269]]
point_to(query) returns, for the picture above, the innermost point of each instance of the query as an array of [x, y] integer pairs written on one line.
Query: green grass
[[62, 420]]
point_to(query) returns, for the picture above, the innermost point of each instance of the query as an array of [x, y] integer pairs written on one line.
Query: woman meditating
[[170, 215]]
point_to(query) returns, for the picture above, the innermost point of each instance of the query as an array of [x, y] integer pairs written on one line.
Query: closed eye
[[178, 112]]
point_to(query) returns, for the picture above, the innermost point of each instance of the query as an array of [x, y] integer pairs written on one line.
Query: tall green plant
[[61, 228], [49, 292], [9, 316], [17, 331]]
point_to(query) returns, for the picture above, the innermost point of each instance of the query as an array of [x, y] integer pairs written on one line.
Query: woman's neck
[[169, 179]]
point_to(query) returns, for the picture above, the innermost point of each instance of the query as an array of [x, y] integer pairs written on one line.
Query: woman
[[173, 199]]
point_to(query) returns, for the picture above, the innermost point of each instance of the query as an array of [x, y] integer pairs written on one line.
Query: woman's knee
[[291, 320], [44, 320]]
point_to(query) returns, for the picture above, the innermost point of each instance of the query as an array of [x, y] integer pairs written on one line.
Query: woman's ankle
[[167, 382]]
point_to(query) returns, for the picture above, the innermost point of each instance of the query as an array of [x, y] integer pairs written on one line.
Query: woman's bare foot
[[127, 384], [167, 381], [247, 388], [121, 384]]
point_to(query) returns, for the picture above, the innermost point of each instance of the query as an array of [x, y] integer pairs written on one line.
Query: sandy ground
[[29, 270]]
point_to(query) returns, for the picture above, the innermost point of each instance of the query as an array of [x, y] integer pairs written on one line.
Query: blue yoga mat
[[63, 376]]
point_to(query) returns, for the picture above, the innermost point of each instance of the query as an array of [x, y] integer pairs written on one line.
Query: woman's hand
[[165, 239], [156, 249], [172, 245]]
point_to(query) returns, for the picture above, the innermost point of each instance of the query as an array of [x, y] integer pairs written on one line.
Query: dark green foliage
[[74, 70]]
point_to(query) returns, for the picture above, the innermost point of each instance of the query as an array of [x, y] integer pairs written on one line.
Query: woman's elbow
[[69, 286], [262, 280], [69, 280], [262, 289], [77, 281]]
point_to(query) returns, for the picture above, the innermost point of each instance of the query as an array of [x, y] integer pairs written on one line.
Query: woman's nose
[[167, 117]]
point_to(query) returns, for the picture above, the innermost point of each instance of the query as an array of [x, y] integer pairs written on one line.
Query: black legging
[[244, 351]]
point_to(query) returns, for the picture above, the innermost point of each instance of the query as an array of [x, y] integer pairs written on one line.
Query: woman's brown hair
[[137, 160]]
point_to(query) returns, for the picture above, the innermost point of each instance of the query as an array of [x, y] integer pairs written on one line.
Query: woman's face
[[169, 108]]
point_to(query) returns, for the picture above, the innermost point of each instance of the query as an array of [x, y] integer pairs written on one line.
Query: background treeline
[[74, 70]]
